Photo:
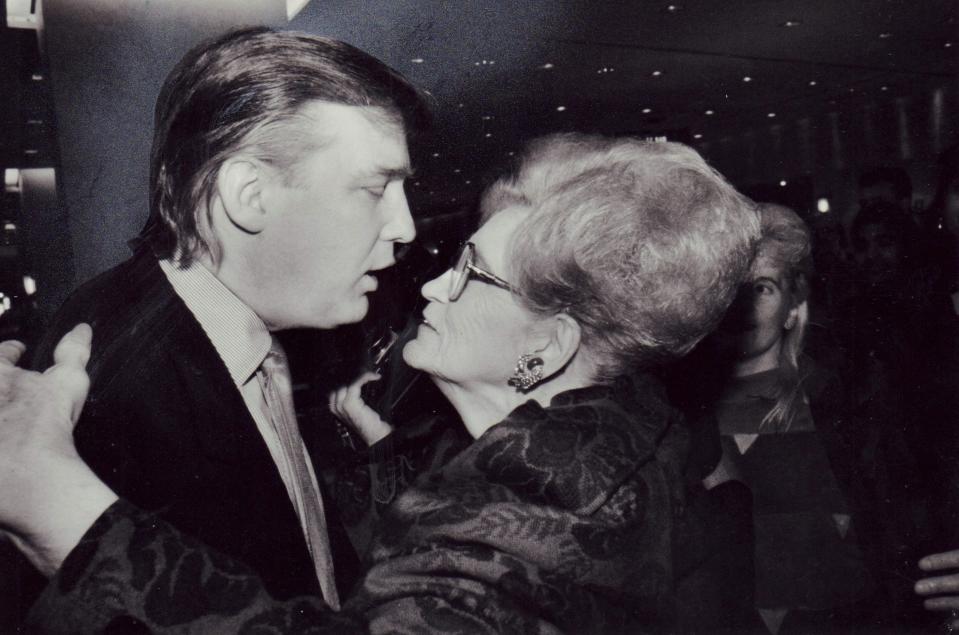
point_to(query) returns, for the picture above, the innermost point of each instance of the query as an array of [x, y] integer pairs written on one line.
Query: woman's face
[[756, 324], [478, 338]]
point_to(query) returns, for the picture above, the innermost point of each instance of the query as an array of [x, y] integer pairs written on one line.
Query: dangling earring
[[528, 373], [790, 323]]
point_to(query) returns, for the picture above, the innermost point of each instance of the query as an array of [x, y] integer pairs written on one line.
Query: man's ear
[[556, 340], [240, 183]]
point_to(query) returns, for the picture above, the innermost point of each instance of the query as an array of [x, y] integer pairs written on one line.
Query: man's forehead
[[370, 133]]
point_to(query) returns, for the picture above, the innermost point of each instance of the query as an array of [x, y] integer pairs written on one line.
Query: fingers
[[946, 603], [10, 352], [74, 347], [941, 584], [68, 372]]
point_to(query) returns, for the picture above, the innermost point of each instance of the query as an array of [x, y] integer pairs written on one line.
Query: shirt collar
[[239, 336]]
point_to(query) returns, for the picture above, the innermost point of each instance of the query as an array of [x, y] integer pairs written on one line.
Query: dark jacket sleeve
[[133, 573]]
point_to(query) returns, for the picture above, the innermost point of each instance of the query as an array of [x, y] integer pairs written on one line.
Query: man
[[276, 181]]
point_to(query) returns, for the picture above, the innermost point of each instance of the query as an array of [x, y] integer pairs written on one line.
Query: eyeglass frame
[[456, 288]]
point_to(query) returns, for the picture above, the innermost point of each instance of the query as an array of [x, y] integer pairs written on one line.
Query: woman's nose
[[437, 289]]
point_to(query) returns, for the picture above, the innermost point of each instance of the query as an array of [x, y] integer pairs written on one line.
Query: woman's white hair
[[642, 243]]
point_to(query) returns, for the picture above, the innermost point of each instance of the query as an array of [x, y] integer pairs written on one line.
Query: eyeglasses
[[464, 268]]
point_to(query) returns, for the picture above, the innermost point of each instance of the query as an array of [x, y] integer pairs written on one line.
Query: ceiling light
[[34, 122], [771, 115], [9, 227], [812, 82], [948, 45], [547, 66], [487, 117], [657, 73], [673, 8], [417, 60], [710, 112], [560, 108], [31, 152], [37, 77], [510, 153], [782, 183], [883, 88], [885, 36], [822, 205], [456, 171], [791, 23], [436, 155], [747, 79], [29, 285], [488, 135], [697, 136], [646, 111], [467, 181]]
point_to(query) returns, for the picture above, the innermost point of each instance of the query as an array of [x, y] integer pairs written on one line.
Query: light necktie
[[278, 392]]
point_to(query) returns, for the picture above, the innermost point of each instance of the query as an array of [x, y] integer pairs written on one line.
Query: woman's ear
[[792, 318], [557, 340], [240, 184]]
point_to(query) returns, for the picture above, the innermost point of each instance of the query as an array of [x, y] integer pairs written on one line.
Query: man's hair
[[642, 243], [245, 91], [895, 176]]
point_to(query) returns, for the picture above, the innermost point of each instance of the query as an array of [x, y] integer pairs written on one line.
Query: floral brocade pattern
[[558, 519]]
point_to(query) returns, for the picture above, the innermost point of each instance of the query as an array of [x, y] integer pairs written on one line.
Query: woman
[[596, 260], [778, 415]]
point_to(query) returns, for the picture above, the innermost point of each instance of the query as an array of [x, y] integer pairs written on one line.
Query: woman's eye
[[376, 191], [763, 289]]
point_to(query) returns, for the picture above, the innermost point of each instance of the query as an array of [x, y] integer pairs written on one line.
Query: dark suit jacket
[[166, 428]]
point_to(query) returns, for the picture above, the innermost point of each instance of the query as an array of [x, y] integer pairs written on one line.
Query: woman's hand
[[944, 586], [48, 495], [348, 406]]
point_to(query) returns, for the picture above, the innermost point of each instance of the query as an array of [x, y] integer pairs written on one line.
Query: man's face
[[334, 222]]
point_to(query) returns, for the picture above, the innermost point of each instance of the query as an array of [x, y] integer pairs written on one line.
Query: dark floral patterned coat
[[558, 519]]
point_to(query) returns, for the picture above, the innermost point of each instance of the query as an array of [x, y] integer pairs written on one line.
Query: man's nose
[[399, 226]]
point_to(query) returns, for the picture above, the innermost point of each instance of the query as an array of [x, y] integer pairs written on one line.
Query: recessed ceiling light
[[488, 135], [948, 45], [547, 66], [782, 183], [456, 171], [560, 108], [487, 117], [460, 105], [491, 62], [417, 60], [476, 63], [646, 111], [673, 8], [31, 152], [822, 205], [791, 23], [885, 36], [697, 136], [37, 77], [710, 112], [436, 155], [467, 181], [510, 153], [747, 79], [883, 88], [771, 115], [657, 73], [812, 82]]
